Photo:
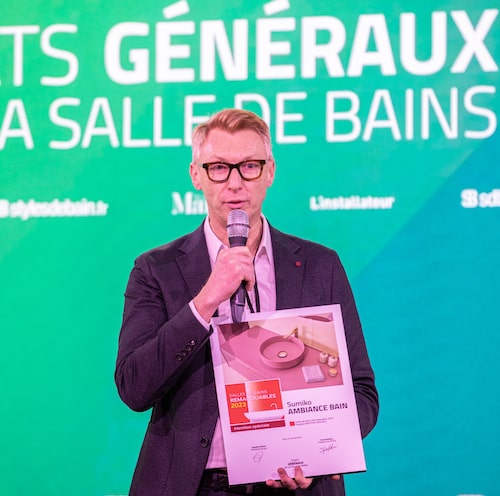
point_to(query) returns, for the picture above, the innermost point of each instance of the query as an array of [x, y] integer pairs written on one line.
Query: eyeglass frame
[[237, 166]]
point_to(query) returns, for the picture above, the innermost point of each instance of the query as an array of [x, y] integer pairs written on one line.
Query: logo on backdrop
[[188, 204], [472, 198], [25, 210], [177, 54], [353, 202]]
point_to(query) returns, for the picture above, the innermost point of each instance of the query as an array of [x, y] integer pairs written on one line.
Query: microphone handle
[[238, 303], [238, 298]]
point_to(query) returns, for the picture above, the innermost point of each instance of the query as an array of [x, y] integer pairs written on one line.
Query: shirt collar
[[214, 244]]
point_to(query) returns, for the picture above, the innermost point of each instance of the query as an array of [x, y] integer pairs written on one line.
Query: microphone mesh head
[[237, 224]]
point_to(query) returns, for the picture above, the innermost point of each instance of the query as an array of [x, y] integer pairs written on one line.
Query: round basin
[[282, 353]]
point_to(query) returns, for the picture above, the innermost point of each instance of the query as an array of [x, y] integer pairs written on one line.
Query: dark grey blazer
[[164, 357]]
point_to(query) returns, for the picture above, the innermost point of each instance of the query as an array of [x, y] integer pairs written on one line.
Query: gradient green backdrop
[[426, 272]]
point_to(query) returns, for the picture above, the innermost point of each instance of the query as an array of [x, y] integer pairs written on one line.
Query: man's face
[[235, 192]]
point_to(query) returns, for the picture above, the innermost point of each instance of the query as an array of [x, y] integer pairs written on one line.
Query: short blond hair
[[231, 120]]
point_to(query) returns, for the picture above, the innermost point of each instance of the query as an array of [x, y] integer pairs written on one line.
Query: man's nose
[[234, 180]]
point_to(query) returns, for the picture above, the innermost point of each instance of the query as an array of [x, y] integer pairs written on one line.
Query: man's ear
[[194, 172], [271, 172]]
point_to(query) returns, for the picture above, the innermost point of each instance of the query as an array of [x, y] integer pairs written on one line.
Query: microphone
[[238, 228]]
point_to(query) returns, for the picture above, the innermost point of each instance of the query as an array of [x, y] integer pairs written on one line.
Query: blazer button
[[204, 443], [192, 342]]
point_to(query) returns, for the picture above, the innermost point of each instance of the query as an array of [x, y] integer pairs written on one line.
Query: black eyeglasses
[[219, 172]]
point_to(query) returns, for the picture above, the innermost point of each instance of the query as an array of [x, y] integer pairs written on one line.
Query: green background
[[426, 273]]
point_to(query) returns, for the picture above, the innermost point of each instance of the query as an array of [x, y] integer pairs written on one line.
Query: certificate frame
[[285, 394]]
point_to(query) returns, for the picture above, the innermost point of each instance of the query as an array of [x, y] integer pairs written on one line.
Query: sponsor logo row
[[194, 203], [191, 203]]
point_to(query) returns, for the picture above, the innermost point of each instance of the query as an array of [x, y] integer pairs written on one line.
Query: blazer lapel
[[289, 270], [194, 262]]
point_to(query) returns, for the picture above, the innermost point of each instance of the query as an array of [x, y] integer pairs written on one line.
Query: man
[[164, 360]]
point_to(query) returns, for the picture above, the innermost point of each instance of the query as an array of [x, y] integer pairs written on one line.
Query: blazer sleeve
[[159, 338], [362, 372]]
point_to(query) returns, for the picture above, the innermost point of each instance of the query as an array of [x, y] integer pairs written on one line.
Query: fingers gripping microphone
[[238, 228]]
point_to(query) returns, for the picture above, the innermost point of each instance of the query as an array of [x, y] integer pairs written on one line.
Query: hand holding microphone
[[238, 228], [233, 271]]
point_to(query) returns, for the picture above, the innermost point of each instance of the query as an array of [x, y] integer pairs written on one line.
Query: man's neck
[[255, 236]]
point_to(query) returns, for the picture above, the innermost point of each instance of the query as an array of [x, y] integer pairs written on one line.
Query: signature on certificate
[[326, 449]]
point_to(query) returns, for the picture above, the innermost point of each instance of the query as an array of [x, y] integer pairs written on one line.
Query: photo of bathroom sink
[[258, 353], [278, 352]]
